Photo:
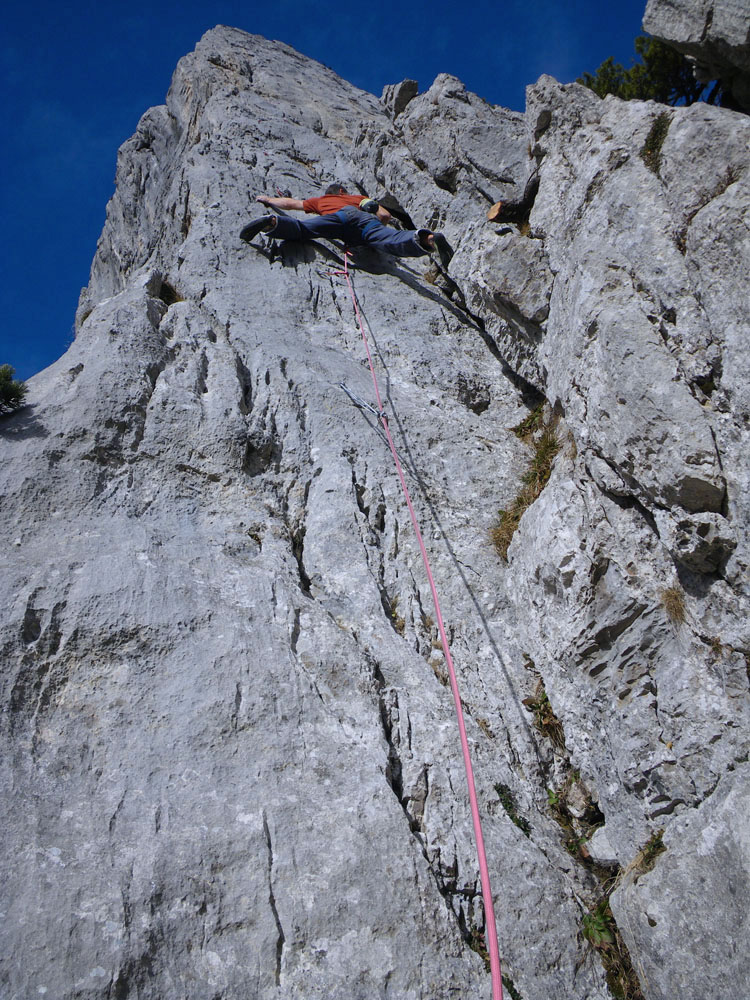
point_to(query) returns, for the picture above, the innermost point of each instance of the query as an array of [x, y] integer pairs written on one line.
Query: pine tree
[[12, 392], [663, 75]]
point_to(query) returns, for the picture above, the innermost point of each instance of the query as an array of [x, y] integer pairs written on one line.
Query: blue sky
[[76, 79]]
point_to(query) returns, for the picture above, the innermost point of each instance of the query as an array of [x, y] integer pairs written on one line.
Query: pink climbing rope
[[484, 874]]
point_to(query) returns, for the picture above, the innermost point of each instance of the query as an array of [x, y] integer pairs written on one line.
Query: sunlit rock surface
[[230, 763]]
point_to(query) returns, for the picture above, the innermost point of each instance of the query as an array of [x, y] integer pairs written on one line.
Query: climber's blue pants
[[355, 228]]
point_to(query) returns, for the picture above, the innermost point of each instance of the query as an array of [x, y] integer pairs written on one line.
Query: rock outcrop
[[715, 34], [230, 766]]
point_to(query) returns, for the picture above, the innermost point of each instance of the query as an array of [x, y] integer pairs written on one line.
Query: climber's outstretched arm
[[288, 204]]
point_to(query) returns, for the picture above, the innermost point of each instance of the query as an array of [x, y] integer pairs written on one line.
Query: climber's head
[[336, 189]]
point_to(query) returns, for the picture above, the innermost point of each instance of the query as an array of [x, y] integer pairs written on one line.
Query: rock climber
[[353, 218]]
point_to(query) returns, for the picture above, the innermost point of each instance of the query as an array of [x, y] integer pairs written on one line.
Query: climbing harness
[[484, 875]]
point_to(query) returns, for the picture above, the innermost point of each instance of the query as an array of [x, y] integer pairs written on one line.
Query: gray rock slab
[[396, 96], [658, 906]]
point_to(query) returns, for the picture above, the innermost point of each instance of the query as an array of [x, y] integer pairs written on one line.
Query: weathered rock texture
[[714, 33], [229, 761]]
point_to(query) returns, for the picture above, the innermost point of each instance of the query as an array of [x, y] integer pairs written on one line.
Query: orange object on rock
[[494, 213]]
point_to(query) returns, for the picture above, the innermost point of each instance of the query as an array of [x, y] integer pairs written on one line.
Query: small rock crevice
[[298, 551], [281, 937]]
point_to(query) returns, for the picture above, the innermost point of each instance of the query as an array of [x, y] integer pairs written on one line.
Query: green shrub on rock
[[12, 392]]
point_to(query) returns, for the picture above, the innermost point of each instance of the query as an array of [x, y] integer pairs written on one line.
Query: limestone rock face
[[681, 883], [230, 765], [396, 96], [715, 33]]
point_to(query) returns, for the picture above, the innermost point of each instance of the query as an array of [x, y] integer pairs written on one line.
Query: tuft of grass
[[509, 805], [510, 988], [601, 931], [545, 450], [397, 621], [543, 438], [651, 149], [645, 859], [503, 531], [530, 424], [442, 675], [475, 940], [673, 600], [545, 719]]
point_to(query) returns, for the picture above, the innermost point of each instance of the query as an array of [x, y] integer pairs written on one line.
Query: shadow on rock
[[22, 424]]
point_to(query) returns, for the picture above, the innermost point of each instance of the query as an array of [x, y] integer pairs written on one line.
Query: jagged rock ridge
[[229, 758]]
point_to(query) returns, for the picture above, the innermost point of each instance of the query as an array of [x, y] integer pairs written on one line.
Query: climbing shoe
[[424, 238], [435, 243], [262, 225], [443, 248]]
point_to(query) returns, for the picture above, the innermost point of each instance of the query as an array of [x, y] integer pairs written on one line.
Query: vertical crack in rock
[[387, 701], [298, 550], [371, 534], [237, 706], [186, 216], [272, 901], [295, 633], [245, 382], [459, 900]]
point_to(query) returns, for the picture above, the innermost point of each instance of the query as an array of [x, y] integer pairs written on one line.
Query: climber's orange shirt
[[329, 203]]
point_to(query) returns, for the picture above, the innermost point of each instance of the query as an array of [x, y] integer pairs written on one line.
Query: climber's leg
[[399, 242], [326, 227]]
